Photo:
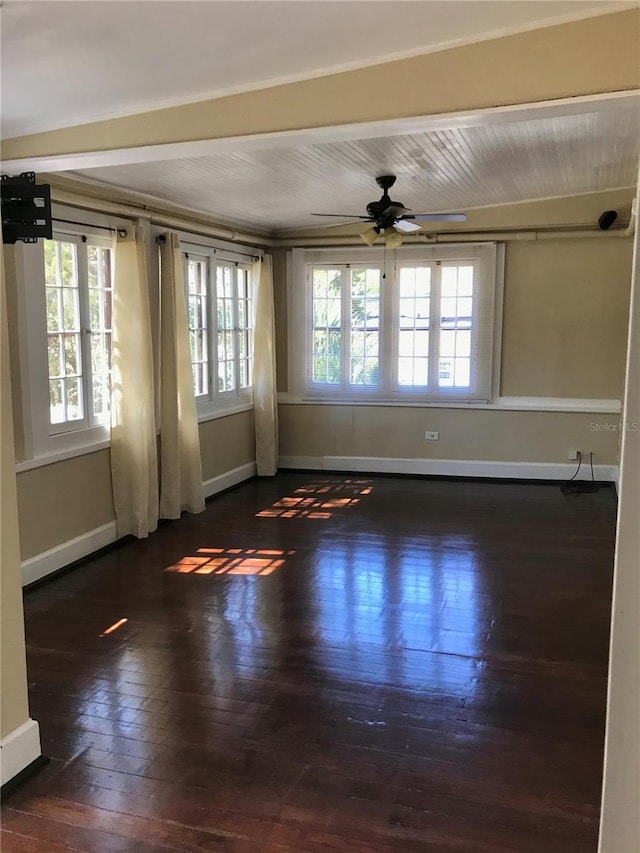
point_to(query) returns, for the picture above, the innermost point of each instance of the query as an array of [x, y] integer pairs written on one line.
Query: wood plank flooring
[[329, 664]]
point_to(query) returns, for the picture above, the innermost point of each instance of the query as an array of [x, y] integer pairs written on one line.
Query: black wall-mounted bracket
[[26, 209]]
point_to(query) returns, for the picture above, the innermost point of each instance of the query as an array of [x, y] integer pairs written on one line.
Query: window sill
[[225, 411], [93, 447], [513, 404], [61, 455]]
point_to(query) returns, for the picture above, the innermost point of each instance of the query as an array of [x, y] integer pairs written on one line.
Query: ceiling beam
[[595, 56]]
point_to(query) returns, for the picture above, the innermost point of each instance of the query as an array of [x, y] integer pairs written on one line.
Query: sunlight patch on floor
[[231, 561], [328, 495]]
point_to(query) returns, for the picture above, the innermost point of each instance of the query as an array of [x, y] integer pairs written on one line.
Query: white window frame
[[488, 261], [219, 403], [42, 440], [81, 243], [345, 387]]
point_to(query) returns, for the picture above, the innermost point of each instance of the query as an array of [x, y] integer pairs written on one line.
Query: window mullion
[[236, 328], [345, 326], [210, 312], [85, 331], [434, 327], [389, 338]]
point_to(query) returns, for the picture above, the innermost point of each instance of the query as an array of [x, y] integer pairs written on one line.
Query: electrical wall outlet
[[432, 436], [572, 456]]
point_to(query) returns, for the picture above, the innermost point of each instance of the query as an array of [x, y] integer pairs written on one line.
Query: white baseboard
[[228, 479], [449, 467], [18, 749], [314, 462], [68, 552], [37, 567]]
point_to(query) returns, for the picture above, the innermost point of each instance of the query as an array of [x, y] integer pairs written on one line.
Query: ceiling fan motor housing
[[376, 209]]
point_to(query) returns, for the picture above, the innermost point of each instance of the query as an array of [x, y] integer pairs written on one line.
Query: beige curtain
[[134, 466], [264, 371], [180, 461]]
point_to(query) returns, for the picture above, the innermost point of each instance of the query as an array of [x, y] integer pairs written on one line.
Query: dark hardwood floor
[[329, 664]]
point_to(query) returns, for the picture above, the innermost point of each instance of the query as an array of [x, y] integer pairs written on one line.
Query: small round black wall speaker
[[607, 219]]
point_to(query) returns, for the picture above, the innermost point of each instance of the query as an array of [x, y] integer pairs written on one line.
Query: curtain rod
[[121, 232], [161, 239]]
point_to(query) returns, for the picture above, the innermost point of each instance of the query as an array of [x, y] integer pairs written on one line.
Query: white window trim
[[299, 300], [39, 443], [41, 448], [217, 404]]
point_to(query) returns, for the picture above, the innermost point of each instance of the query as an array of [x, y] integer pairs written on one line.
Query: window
[[78, 288], [346, 326], [419, 327], [63, 295], [220, 310], [198, 313]]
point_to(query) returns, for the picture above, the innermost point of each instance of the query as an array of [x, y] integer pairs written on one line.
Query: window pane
[[55, 362], [365, 314], [357, 344], [70, 309], [357, 312], [67, 265], [320, 278], [448, 343], [455, 328], [463, 343], [100, 308], [50, 263], [320, 312], [56, 401], [244, 333], [462, 372], [414, 321], [94, 308], [326, 312], [63, 326], [465, 281], [54, 309], [421, 344], [74, 400], [197, 309], [71, 355], [449, 284], [100, 399]]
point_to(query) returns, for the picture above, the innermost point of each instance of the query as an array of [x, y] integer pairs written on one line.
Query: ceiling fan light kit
[[392, 218], [392, 238], [370, 235]]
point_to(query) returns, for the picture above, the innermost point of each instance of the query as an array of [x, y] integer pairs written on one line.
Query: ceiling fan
[[391, 218]]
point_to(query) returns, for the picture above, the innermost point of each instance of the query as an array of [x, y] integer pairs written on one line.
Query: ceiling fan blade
[[406, 227], [342, 215], [438, 217], [337, 224], [396, 210]]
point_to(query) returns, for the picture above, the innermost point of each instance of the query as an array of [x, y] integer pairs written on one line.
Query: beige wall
[[14, 708], [58, 502], [579, 58], [566, 308], [11, 284], [565, 315], [396, 432], [620, 821], [227, 443]]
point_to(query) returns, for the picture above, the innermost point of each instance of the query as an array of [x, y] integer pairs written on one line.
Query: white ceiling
[[65, 63], [457, 169]]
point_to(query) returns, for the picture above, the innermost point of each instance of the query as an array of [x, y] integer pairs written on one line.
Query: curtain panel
[[134, 464], [180, 460], [264, 371]]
